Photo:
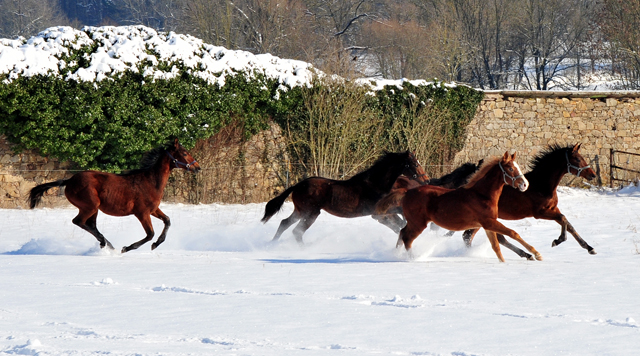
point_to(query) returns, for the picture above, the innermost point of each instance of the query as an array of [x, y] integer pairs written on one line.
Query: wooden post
[[611, 167]]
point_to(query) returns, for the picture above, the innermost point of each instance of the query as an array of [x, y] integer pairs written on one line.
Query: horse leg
[[409, 233], [87, 221], [167, 222], [392, 221], [566, 226], [582, 242], [495, 245], [513, 248], [497, 227], [468, 236], [303, 225], [563, 232], [285, 223], [145, 220]]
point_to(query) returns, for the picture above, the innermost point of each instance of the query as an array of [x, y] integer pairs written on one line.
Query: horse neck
[[382, 179], [491, 184], [546, 180], [159, 173]]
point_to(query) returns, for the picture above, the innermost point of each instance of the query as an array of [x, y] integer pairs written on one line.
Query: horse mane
[[482, 171], [381, 166], [149, 159], [458, 177], [548, 155]]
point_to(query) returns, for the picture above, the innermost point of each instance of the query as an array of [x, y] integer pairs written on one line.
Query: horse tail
[[274, 205], [390, 201], [36, 193]]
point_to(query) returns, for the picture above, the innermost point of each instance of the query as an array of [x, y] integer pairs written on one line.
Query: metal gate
[[622, 170]]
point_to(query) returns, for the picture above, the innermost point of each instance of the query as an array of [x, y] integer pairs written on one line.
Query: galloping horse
[[453, 180], [473, 205], [540, 201], [354, 197], [137, 192]]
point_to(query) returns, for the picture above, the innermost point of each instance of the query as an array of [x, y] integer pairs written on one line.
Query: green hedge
[[107, 125]]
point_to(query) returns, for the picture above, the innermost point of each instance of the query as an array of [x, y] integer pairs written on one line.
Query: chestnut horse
[[137, 192], [540, 201], [473, 205], [354, 197], [453, 180]]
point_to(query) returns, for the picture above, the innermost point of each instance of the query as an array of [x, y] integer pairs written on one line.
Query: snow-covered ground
[[217, 286]]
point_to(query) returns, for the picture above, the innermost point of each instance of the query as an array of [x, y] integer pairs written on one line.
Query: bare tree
[[552, 29], [159, 14], [28, 17], [619, 21], [486, 27]]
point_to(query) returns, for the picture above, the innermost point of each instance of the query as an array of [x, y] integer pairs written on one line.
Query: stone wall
[[19, 172], [528, 121]]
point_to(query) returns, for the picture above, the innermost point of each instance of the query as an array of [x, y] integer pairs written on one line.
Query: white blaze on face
[[525, 183]]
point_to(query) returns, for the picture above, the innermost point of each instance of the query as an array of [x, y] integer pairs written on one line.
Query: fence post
[[611, 167]]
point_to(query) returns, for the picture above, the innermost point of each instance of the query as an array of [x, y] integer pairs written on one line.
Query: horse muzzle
[[523, 185]]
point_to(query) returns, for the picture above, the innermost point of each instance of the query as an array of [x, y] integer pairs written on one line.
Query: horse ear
[[176, 144], [505, 157], [576, 148], [513, 156]]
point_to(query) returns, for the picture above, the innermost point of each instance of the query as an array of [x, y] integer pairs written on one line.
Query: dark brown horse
[[354, 197], [540, 201], [473, 205], [137, 192]]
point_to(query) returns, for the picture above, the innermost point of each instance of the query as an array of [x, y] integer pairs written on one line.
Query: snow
[[139, 48], [218, 286], [142, 49]]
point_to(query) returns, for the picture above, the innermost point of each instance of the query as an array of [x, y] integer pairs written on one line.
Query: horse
[[452, 180], [473, 205], [540, 201], [137, 192], [354, 197]]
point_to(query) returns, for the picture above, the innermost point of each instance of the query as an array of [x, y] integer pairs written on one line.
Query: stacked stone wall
[[527, 122]]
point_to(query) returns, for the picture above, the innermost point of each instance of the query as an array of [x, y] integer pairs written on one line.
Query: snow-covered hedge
[[101, 96]]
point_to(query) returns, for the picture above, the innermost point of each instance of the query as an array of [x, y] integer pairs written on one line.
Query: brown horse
[[354, 197], [457, 178], [540, 201], [473, 205], [137, 192]]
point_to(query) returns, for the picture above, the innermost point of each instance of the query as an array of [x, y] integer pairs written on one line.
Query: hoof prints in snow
[[397, 301]]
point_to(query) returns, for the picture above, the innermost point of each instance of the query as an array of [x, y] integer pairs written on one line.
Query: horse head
[[512, 172], [181, 158], [414, 170], [576, 164]]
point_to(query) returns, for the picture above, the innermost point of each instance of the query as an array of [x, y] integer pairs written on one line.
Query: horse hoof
[[538, 257], [555, 243], [530, 258], [153, 246], [592, 252], [124, 249]]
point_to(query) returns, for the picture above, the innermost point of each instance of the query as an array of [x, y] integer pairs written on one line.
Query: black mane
[[381, 166], [149, 160], [546, 158], [458, 177]]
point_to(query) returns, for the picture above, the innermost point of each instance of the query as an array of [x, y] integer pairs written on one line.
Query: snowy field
[[217, 286]]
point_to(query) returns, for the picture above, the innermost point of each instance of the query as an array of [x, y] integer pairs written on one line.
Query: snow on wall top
[[137, 48]]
